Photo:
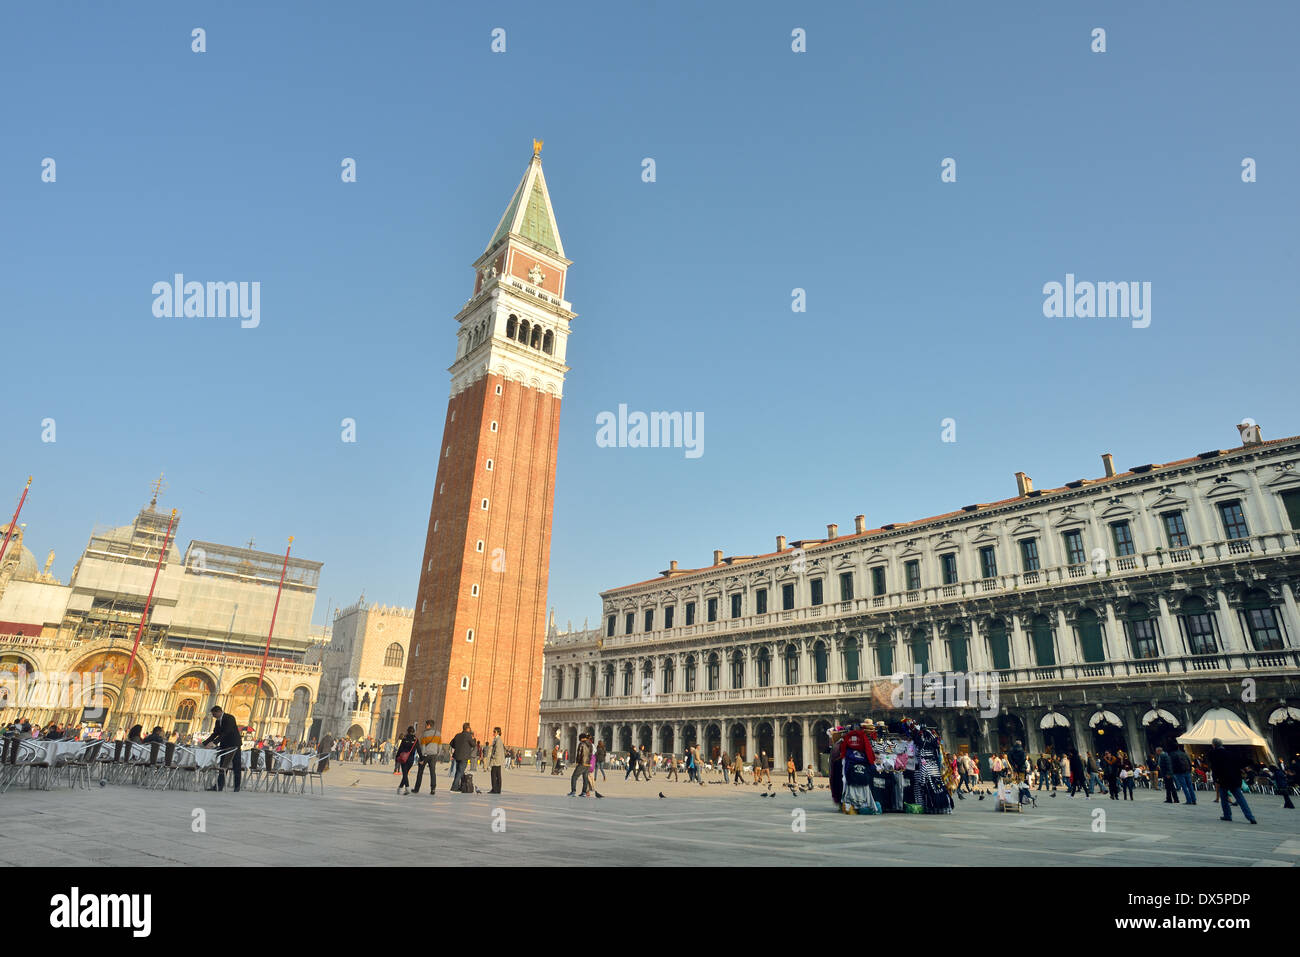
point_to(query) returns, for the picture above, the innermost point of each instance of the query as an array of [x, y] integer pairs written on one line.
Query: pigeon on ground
[[661, 793], [355, 783], [599, 795], [981, 795]]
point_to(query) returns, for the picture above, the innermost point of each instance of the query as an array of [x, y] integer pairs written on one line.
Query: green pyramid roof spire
[[529, 214]]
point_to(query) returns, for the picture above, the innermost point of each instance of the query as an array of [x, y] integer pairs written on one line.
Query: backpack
[[467, 783]]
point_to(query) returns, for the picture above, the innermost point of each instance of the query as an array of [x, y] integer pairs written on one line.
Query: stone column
[[1067, 642], [1137, 739], [977, 652], [1112, 637], [834, 663], [778, 747], [751, 749], [1234, 641], [1018, 644], [940, 654], [809, 743], [1292, 616], [1174, 646], [678, 745]]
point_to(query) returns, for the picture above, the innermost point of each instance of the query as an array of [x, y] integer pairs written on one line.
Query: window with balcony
[[609, 681], [1234, 520], [1029, 554], [764, 667], [1291, 502], [957, 647], [609, 626], [668, 615], [878, 581], [791, 660], [999, 645], [735, 605], [760, 601], [912, 570], [713, 673], [851, 659], [820, 662], [649, 620], [690, 613], [920, 647], [846, 586], [1142, 634], [1074, 554], [948, 568], [711, 609], [1175, 530], [1090, 640], [1261, 621], [787, 596], [690, 673], [988, 562], [666, 682], [815, 591], [627, 680], [885, 657], [1198, 627], [1041, 634], [559, 682], [1122, 536], [627, 623], [737, 670]]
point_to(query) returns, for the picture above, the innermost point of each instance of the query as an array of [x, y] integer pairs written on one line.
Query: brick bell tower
[[480, 614]]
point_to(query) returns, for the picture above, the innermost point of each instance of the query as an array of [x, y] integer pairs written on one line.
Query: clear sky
[[775, 170]]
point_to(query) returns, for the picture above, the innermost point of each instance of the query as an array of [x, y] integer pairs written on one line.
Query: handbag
[[404, 756]]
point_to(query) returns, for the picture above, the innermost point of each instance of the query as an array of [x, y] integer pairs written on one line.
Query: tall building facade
[[201, 645], [479, 625], [1114, 612], [366, 654]]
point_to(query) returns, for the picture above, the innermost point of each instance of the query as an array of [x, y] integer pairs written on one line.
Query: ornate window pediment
[[1024, 528], [1228, 488], [985, 537], [1168, 498], [1116, 510]]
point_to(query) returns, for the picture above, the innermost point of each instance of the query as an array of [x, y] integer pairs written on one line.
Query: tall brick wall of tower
[[508, 616]]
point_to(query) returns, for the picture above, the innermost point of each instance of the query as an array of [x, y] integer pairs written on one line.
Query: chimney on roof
[[780, 543], [831, 530], [1024, 483], [859, 523], [672, 566], [717, 556], [1249, 432], [1108, 460]]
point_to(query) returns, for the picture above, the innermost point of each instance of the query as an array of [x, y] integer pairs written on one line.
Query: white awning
[[1155, 713], [1110, 717], [1284, 714], [1054, 719]]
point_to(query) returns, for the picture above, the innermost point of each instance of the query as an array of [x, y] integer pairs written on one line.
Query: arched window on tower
[[523, 331], [548, 342], [512, 326], [394, 656], [536, 340]]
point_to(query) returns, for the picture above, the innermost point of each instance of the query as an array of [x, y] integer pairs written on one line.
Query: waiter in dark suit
[[227, 737]]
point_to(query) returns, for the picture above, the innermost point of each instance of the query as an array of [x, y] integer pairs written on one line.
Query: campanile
[[480, 614]]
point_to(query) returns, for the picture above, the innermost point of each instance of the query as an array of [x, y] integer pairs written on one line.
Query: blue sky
[[775, 170]]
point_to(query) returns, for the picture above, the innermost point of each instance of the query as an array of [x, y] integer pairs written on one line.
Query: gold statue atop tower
[[537, 147]]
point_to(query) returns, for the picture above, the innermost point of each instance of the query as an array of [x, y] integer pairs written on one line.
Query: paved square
[[360, 820]]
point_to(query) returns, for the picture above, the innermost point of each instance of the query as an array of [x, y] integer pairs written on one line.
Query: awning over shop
[[1284, 714], [1110, 717], [1159, 713], [1054, 719], [1227, 727]]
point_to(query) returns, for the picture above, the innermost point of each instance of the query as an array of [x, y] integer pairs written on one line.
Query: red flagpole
[[148, 602], [266, 653], [14, 523]]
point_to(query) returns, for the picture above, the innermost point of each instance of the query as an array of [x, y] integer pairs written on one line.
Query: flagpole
[[14, 523], [148, 602], [252, 716]]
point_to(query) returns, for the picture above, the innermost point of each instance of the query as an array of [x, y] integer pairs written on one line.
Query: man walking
[[1165, 763], [1227, 774], [1183, 774], [580, 767], [225, 733], [462, 750], [428, 742], [600, 760], [497, 758]]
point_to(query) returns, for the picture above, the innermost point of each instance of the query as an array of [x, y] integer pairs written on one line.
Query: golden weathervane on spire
[[537, 147]]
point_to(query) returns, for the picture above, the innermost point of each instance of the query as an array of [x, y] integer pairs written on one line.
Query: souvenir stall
[[882, 768]]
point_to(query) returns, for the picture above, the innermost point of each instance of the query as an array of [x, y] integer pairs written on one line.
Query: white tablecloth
[[293, 762], [54, 751]]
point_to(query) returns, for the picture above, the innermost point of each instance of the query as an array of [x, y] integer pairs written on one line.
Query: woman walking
[[405, 758]]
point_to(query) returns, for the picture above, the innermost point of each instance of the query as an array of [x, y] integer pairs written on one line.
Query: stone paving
[[360, 820]]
